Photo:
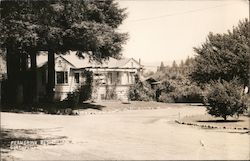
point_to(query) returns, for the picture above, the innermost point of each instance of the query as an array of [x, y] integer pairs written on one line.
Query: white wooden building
[[113, 74]]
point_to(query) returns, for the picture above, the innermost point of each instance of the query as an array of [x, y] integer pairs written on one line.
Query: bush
[[141, 91], [225, 99], [181, 92], [188, 93], [166, 98], [111, 93], [86, 89], [73, 99], [83, 92]]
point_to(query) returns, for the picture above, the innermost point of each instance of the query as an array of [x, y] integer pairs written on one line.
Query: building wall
[[118, 80], [121, 92], [62, 89]]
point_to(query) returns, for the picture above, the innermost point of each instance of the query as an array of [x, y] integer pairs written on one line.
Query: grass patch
[[214, 122]]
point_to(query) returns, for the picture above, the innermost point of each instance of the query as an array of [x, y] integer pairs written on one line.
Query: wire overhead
[[180, 13]]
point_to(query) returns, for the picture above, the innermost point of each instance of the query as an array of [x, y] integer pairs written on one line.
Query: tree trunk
[[225, 118], [25, 83], [13, 71], [34, 90], [51, 76]]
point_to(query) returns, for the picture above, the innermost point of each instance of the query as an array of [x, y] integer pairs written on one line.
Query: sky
[[167, 30]]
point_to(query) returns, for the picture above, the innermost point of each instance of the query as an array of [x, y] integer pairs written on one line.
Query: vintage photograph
[[124, 80]]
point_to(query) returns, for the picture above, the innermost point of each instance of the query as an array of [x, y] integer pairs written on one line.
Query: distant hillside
[[162, 71]]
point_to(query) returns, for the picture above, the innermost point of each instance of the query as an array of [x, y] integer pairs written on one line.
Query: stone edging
[[210, 126]]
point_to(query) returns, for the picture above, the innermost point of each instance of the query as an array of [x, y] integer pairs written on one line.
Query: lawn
[[208, 121]]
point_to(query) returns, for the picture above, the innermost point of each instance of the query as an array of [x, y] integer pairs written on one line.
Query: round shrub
[[224, 99]]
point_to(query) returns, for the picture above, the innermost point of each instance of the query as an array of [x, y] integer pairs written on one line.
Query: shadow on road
[[219, 121], [12, 139], [90, 106], [50, 108]]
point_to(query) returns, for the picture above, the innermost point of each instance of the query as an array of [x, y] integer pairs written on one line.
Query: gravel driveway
[[125, 135]]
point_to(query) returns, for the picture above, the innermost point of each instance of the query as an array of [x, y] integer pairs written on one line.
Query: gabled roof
[[60, 56], [86, 62]]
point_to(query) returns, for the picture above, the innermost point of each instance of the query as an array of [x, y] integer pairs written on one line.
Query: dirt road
[[127, 135]]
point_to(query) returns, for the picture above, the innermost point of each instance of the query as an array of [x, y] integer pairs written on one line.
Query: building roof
[[86, 62]]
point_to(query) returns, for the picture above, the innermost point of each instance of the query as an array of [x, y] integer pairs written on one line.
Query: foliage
[[166, 98], [148, 74], [174, 65], [225, 99], [63, 25], [182, 70], [85, 90], [180, 91], [58, 26], [73, 99], [141, 91], [111, 94], [224, 56], [95, 86], [176, 85], [187, 93]]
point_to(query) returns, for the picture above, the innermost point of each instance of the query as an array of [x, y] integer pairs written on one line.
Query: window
[[61, 77], [60, 63], [77, 78]]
